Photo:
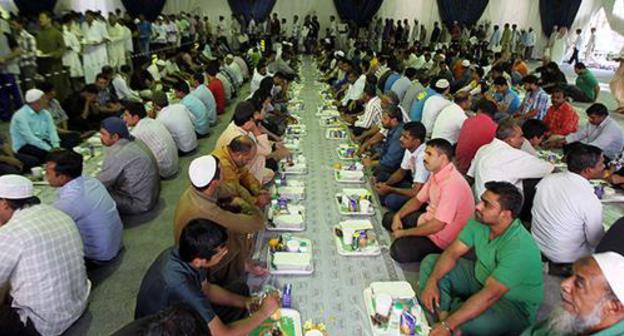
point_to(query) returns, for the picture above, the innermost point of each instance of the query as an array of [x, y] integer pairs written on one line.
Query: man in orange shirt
[[561, 118]]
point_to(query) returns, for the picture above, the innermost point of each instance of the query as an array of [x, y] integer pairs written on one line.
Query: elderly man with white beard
[[592, 300]]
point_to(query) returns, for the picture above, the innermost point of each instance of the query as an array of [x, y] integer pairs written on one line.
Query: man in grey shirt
[[129, 171]]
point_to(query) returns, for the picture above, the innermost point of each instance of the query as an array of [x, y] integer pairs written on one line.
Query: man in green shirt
[[586, 89], [500, 292], [592, 300], [51, 48]]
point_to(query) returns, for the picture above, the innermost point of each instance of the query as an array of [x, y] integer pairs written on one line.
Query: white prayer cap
[[159, 17], [15, 187], [612, 266], [161, 62], [137, 21], [442, 83], [229, 56], [339, 53], [202, 170], [33, 95], [465, 63]]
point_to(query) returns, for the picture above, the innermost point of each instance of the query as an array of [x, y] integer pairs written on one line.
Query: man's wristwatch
[[446, 326]]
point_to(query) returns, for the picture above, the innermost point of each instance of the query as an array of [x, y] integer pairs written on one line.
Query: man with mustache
[[591, 300]]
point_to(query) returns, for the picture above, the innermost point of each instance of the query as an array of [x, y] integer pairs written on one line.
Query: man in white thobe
[[116, 46], [94, 53]]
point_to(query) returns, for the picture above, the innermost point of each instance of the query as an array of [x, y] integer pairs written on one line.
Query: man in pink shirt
[[449, 206], [476, 131]]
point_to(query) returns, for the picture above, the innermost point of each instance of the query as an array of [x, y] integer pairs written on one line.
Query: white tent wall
[[105, 6]]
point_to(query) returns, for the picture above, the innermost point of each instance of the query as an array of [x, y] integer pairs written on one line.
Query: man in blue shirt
[[178, 276], [419, 103], [88, 203], [145, 32], [202, 92], [32, 128], [197, 108], [389, 154], [506, 99]]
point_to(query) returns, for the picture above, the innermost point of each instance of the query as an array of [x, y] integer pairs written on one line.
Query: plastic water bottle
[[394, 323]]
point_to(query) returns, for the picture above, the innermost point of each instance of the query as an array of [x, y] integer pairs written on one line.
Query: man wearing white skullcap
[[32, 128], [592, 300], [235, 214], [41, 261], [434, 104]]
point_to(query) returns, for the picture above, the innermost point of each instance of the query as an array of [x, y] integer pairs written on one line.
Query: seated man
[[178, 121], [201, 91], [535, 102], [371, 115], [178, 276], [216, 86], [450, 205], [69, 139], [451, 118], [406, 181], [389, 154], [567, 215], [231, 212], [81, 111], [129, 171], [476, 131], [155, 136], [561, 118], [592, 300], [534, 132], [244, 122], [32, 129], [502, 160], [87, 202], [500, 292], [435, 104], [41, 262], [601, 131], [507, 100], [106, 103], [377, 133], [586, 88], [197, 108], [237, 180]]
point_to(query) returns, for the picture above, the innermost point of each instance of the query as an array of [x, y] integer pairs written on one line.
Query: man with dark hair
[[479, 297], [372, 112], [561, 118], [52, 46], [601, 131], [155, 136], [534, 131], [179, 276], [578, 44], [388, 155], [449, 122], [178, 120], [81, 110], [87, 202], [41, 263], [586, 88], [245, 122], [450, 205], [476, 131], [502, 160], [129, 170], [216, 86], [106, 102], [567, 214], [202, 92], [535, 102], [402, 84], [507, 100], [197, 108], [240, 218], [178, 319], [237, 179], [406, 181]]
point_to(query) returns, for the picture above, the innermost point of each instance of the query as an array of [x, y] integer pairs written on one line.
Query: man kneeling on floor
[[179, 276], [500, 292], [592, 300]]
